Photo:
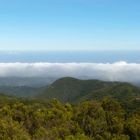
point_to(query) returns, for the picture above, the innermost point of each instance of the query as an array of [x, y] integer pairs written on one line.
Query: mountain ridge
[[70, 89]]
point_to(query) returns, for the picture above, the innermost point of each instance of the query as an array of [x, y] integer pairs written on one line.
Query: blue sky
[[69, 24]]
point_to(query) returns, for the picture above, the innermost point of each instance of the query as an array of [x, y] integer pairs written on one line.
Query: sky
[[69, 25], [99, 39]]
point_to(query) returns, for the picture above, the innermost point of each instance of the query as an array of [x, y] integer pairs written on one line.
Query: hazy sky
[[69, 24]]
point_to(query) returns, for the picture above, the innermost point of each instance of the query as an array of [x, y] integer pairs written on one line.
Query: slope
[[74, 90]]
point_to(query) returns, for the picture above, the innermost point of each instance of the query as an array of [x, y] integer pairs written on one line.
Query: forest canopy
[[52, 120]]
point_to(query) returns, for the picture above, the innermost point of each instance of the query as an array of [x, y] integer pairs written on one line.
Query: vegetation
[[89, 120], [87, 110], [20, 91], [74, 91]]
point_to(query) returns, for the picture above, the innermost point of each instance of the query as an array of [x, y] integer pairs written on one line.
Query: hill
[[74, 90], [68, 89], [24, 86], [26, 81], [20, 91]]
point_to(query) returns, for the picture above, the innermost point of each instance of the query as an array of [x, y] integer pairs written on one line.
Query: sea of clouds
[[118, 71]]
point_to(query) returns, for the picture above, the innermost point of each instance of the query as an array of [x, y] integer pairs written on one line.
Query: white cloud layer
[[119, 71]]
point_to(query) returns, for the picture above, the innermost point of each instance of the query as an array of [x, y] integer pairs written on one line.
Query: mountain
[[26, 81], [24, 86], [20, 91], [69, 89], [74, 90]]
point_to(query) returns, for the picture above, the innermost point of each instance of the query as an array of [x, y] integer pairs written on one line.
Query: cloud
[[119, 71]]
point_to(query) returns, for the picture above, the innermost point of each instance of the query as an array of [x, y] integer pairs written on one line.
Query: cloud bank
[[119, 71]]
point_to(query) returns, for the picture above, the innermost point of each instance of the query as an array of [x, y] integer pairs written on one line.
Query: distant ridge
[[73, 90]]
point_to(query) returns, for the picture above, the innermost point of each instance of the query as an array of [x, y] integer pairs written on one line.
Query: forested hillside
[[52, 120], [21, 91], [72, 109], [73, 90]]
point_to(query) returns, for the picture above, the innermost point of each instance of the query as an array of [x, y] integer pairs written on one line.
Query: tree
[[133, 126], [91, 118], [11, 130], [115, 116]]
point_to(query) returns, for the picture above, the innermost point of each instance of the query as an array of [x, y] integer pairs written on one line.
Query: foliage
[[74, 91], [89, 120]]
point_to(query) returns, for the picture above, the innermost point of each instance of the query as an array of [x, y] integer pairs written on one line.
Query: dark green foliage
[[133, 125], [74, 91], [52, 120]]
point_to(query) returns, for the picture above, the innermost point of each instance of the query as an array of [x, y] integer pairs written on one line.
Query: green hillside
[[67, 89], [73, 90], [99, 118], [20, 91]]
